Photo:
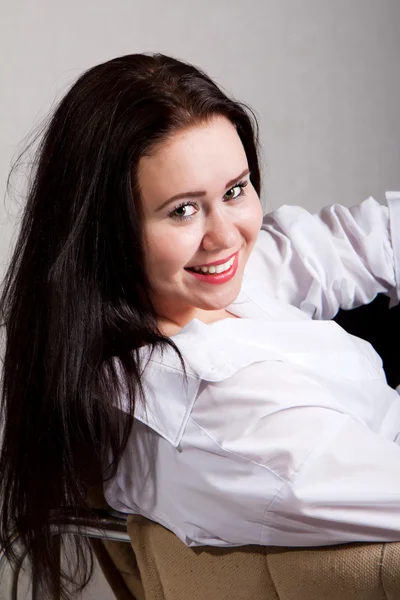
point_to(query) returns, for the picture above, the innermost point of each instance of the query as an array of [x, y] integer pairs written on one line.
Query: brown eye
[[230, 194], [185, 211], [181, 211], [235, 191]]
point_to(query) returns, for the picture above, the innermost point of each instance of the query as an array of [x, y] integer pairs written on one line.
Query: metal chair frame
[[99, 524]]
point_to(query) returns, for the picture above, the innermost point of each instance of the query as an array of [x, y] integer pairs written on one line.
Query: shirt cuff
[[393, 202]]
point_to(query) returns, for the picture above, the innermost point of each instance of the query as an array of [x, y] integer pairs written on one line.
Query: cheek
[[252, 219], [170, 248]]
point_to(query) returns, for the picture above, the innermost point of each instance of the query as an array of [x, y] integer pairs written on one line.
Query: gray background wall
[[322, 75]]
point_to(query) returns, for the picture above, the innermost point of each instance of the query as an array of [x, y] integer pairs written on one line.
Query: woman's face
[[201, 219]]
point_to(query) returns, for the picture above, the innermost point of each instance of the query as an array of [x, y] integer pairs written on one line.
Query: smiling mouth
[[217, 273], [214, 269]]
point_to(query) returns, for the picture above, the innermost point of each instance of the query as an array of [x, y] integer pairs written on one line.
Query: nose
[[220, 233]]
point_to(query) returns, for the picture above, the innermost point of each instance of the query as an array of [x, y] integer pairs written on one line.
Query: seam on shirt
[[231, 453], [258, 304], [295, 473], [184, 536], [157, 519], [177, 369]]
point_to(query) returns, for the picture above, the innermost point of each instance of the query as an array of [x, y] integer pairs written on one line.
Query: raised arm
[[338, 258]]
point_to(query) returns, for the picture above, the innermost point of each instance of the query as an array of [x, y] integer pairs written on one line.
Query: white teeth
[[216, 268]]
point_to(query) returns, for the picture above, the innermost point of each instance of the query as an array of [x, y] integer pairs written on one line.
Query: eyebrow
[[201, 193]]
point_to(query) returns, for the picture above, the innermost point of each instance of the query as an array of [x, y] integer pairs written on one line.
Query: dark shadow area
[[380, 326]]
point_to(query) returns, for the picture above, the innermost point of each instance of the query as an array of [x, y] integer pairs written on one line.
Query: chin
[[220, 303]]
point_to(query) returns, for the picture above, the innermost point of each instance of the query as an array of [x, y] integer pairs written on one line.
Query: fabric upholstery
[[171, 571]]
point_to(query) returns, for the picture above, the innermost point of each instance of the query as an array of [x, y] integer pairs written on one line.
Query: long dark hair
[[76, 295]]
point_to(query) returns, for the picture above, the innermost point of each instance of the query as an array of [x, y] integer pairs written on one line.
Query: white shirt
[[285, 432]]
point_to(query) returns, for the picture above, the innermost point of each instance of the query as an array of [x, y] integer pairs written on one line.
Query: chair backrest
[[172, 571]]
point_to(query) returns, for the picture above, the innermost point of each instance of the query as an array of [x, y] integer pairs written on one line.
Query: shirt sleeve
[[348, 490], [338, 258]]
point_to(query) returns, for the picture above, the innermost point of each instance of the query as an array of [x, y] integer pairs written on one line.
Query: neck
[[169, 325]]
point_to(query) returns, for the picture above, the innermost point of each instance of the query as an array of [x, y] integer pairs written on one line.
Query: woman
[[142, 285]]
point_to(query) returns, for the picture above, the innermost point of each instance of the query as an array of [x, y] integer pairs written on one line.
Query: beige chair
[[168, 570], [156, 565]]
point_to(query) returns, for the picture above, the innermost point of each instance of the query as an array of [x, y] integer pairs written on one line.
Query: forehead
[[200, 157]]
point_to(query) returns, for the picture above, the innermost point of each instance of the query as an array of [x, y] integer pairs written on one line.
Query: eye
[[184, 211], [236, 191]]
